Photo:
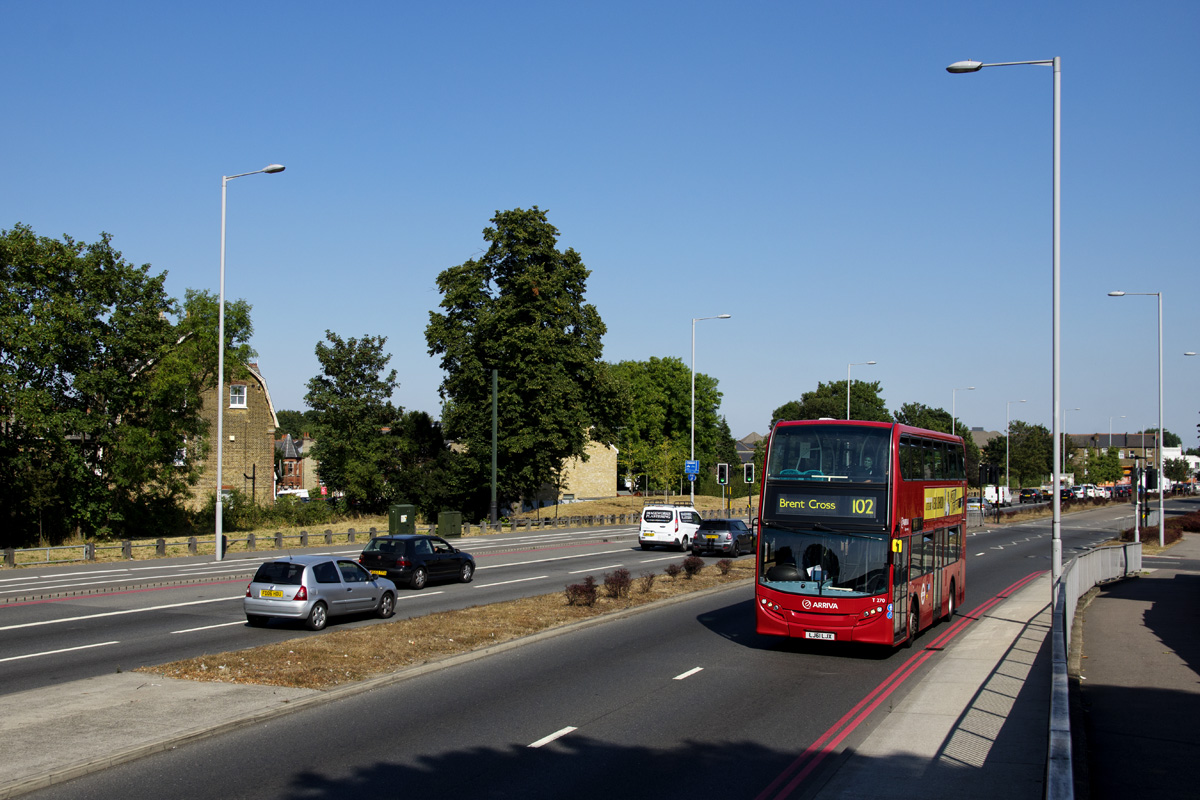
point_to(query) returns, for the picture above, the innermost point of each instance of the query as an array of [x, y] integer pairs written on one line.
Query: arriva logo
[[809, 604]]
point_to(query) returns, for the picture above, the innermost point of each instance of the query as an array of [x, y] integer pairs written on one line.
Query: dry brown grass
[[354, 654]]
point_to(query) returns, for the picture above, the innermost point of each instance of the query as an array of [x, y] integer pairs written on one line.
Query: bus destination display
[[852, 506]]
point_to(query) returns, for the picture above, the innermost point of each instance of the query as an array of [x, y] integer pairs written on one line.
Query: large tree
[[829, 400], [1030, 453], [520, 310], [657, 394], [99, 389], [358, 455]]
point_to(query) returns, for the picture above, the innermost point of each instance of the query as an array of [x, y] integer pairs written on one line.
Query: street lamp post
[[225, 179], [848, 366], [1007, 432], [1161, 478], [692, 483], [953, 399], [1110, 419], [1056, 527]]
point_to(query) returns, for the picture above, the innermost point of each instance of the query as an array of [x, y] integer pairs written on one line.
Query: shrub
[[672, 570], [692, 566], [646, 582], [582, 594], [724, 565], [617, 583]]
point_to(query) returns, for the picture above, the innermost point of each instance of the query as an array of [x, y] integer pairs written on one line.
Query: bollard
[[329, 535], [251, 541], [89, 551], [160, 547], [10, 556], [192, 545], [278, 540], [304, 538], [127, 549]]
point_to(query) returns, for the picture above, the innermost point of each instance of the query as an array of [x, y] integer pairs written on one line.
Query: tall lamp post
[[1007, 425], [848, 366], [1110, 419], [225, 179], [953, 410], [1161, 478], [1056, 527], [692, 483]]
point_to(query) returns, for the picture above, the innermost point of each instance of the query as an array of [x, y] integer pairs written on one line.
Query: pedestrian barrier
[[1099, 565]]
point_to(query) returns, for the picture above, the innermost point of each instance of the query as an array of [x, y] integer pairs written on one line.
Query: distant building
[[248, 455], [745, 446]]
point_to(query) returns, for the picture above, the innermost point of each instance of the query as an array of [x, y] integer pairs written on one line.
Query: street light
[[225, 179], [848, 366], [953, 398], [692, 483], [1056, 527], [1161, 478], [1110, 419], [1007, 408]]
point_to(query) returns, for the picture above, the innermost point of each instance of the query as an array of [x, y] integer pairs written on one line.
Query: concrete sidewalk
[[974, 726], [1139, 681]]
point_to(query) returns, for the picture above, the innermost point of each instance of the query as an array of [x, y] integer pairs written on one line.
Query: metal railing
[[1094, 567]]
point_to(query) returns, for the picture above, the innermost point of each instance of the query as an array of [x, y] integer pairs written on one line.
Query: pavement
[[975, 725]]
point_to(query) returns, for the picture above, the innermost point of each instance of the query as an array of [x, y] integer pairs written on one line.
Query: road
[[65, 623], [681, 701]]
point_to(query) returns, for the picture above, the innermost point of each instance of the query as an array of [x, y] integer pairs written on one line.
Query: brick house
[[582, 480], [248, 456]]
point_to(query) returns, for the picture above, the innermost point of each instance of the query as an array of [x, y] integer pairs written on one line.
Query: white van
[[671, 525]]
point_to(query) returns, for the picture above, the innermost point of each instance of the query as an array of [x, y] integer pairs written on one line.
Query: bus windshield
[[823, 563], [830, 453]]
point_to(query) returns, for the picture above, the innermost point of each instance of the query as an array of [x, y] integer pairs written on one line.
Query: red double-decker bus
[[861, 531]]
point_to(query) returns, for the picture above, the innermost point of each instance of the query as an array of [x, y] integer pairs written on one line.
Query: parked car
[[416, 559], [315, 588], [723, 536], [671, 525]]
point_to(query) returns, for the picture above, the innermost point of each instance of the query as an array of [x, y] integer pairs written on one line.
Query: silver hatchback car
[[315, 588]]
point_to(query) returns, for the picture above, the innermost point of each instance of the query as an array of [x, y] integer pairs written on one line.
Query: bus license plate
[[819, 635]]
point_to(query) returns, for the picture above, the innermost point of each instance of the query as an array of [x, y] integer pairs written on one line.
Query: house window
[[237, 396]]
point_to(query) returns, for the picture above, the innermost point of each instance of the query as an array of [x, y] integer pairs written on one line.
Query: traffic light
[[1151, 478], [748, 469], [723, 474]]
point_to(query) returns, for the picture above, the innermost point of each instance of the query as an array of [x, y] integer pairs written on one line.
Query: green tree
[[1104, 466], [357, 453], [99, 390], [297, 423], [829, 400], [1176, 468], [657, 394], [1030, 453], [520, 309]]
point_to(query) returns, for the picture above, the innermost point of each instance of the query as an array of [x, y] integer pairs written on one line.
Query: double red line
[[808, 761]]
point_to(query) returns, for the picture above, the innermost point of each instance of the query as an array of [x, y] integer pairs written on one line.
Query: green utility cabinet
[[402, 519], [449, 523]]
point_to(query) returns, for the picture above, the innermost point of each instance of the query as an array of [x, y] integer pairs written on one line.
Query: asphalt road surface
[[682, 701]]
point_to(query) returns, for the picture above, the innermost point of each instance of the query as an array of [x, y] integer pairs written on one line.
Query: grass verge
[[349, 655]]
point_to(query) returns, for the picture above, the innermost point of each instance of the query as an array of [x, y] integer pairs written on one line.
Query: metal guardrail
[[1094, 567]]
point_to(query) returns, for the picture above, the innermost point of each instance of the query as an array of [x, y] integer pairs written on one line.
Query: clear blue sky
[[808, 167]]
